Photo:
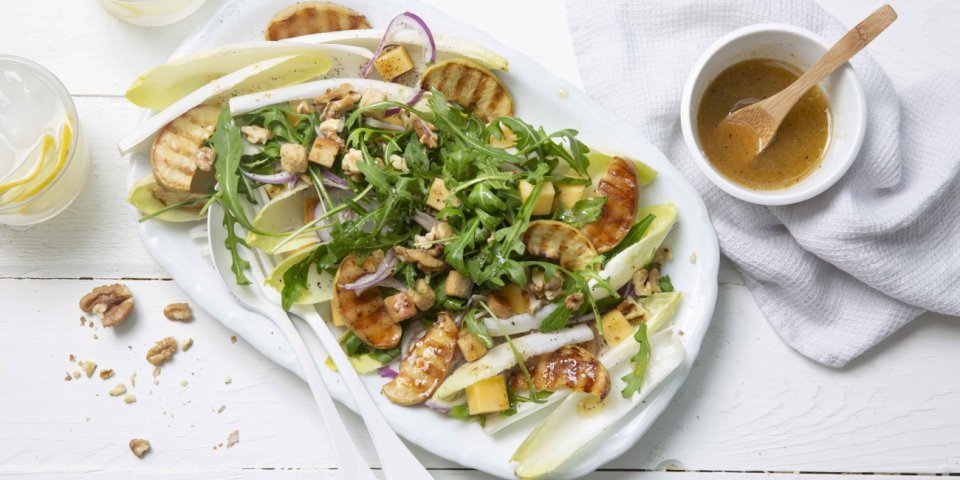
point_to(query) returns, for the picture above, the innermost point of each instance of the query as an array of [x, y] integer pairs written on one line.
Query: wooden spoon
[[763, 118]]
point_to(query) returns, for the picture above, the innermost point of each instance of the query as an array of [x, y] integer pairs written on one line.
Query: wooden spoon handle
[[843, 50]]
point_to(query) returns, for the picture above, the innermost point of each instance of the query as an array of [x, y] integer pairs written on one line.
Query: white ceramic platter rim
[[182, 254]]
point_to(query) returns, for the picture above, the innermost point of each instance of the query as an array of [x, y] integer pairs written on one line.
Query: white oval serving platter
[[177, 248]]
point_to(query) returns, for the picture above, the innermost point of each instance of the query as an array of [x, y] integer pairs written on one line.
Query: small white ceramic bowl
[[801, 48]]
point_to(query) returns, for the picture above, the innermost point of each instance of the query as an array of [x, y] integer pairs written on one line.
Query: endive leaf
[[621, 267]]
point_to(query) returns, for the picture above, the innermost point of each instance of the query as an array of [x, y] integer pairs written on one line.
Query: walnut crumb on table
[[88, 367], [186, 345], [233, 439], [233, 339], [139, 447], [130, 398], [106, 373], [178, 312], [117, 390]]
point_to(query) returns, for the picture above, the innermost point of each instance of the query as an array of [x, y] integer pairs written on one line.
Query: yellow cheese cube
[[393, 62], [568, 194], [488, 396], [437, 196], [616, 327], [544, 201], [516, 297]]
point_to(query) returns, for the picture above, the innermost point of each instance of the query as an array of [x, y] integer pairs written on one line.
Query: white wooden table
[[751, 408]]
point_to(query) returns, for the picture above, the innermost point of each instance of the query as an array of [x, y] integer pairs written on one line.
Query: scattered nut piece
[[256, 134], [178, 312], [88, 367], [67, 378], [133, 380], [186, 345], [117, 390], [76, 374], [233, 439], [106, 373], [139, 447], [693, 257], [233, 339], [73, 358], [184, 383], [83, 321], [227, 380], [221, 409], [162, 351], [112, 303], [156, 373], [129, 399]]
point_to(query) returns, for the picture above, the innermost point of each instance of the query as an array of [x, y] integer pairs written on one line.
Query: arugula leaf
[[478, 328], [556, 320], [237, 264], [583, 212], [640, 360], [461, 412], [665, 284], [633, 236], [295, 279]]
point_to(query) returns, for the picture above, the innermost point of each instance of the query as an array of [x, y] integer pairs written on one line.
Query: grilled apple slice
[[313, 17], [621, 185], [426, 365], [470, 85], [571, 367], [175, 156], [559, 241], [364, 314]]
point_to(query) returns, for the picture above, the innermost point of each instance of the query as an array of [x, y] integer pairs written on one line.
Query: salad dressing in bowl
[[795, 152]]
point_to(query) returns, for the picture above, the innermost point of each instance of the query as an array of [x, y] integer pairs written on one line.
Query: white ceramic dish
[[801, 48], [182, 254]]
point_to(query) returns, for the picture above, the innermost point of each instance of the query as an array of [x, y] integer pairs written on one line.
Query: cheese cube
[[543, 202], [488, 396], [393, 62], [616, 327], [517, 298], [568, 194]]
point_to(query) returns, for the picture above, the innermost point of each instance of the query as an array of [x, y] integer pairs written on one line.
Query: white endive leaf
[[581, 417], [621, 267]]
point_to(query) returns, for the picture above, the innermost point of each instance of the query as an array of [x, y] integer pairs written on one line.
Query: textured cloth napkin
[[836, 274]]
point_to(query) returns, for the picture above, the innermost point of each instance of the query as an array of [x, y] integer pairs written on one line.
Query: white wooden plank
[[751, 404], [326, 474]]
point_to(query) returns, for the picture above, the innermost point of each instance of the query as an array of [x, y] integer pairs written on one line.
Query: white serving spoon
[[352, 464], [398, 462]]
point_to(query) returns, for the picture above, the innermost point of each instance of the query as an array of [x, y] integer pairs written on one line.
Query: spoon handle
[[843, 50]]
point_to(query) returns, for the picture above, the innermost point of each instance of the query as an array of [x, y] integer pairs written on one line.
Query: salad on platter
[[484, 267]]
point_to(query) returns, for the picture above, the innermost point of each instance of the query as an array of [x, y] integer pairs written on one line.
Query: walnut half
[[162, 351], [112, 303], [179, 312]]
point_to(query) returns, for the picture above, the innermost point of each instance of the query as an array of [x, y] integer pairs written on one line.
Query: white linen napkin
[[838, 273]]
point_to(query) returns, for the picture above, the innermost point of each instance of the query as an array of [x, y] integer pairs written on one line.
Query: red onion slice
[[425, 220], [384, 271], [403, 21], [413, 101], [274, 179], [331, 180], [387, 372], [324, 233]]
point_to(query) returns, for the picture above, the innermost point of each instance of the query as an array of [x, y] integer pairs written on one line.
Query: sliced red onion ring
[[403, 21], [273, 179], [425, 220], [331, 180], [324, 233], [394, 284], [293, 184], [373, 122], [387, 372], [413, 101], [384, 271], [439, 406], [627, 290]]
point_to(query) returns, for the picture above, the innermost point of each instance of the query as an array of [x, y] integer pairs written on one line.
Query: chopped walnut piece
[[162, 351], [76, 374], [227, 380], [256, 134], [67, 378], [178, 312], [129, 399], [117, 390], [632, 310], [540, 287], [399, 163], [423, 260], [330, 125], [88, 367], [233, 439], [205, 157], [139, 447], [335, 102], [106, 373], [302, 107], [72, 357], [233, 339], [424, 133], [646, 282], [574, 301], [112, 303], [186, 345]]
